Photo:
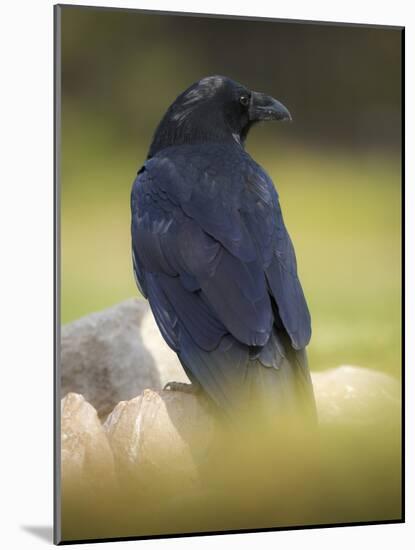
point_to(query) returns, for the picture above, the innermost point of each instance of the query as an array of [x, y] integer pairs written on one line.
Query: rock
[[104, 355], [166, 439], [354, 395], [163, 436], [166, 362], [165, 449], [158, 466], [171, 432], [86, 457]]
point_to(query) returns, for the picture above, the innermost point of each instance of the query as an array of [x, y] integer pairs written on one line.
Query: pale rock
[[164, 436], [173, 431], [166, 361], [167, 436], [354, 395], [87, 462], [104, 356]]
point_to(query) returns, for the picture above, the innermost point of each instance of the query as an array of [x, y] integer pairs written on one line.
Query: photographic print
[[228, 259]]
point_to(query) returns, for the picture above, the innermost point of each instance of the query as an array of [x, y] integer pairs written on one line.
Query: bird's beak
[[265, 107]]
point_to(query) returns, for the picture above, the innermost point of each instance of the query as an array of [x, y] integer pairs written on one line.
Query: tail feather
[[271, 380]]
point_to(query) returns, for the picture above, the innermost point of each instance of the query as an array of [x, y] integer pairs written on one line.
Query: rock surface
[[163, 435], [86, 457], [165, 360], [354, 395], [167, 436], [104, 355]]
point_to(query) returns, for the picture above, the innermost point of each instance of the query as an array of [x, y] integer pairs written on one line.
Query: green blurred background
[[337, 166]]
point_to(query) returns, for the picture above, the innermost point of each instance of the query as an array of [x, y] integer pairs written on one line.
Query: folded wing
[[211, 253]]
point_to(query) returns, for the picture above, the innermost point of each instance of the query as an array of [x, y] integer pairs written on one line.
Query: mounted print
[[228, 353]]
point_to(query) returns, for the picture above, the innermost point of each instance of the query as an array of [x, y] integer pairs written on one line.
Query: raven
[[213, 257]]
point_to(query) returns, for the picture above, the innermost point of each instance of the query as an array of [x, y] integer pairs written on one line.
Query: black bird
[[213, 257]]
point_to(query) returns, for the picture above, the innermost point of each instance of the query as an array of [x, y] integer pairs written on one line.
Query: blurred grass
[[342, 209]]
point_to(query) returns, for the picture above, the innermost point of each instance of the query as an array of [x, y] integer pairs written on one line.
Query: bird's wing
[[262, 214], [194, 256], [215, 246], [213, 257]]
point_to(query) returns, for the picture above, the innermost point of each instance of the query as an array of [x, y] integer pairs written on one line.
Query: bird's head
[[215, 109]]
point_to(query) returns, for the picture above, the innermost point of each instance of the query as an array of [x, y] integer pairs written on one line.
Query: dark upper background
[[337, 166], [342, 84]]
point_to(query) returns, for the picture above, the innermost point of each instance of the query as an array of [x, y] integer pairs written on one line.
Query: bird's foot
[[181, 386]]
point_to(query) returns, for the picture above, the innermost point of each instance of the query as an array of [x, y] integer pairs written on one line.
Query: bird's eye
[[244, 100]]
